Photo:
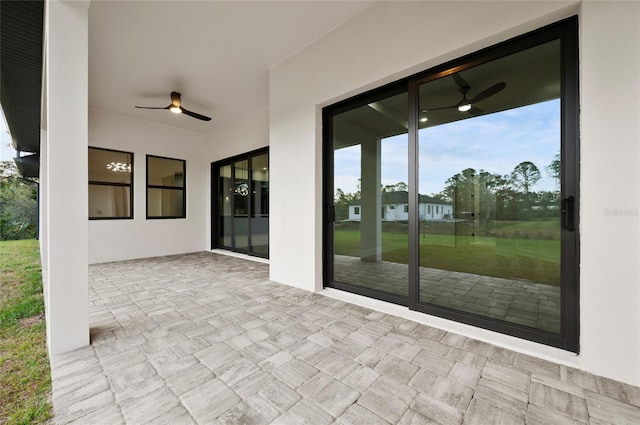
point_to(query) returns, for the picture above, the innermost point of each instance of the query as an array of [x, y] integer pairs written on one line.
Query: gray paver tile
[[358, 415], [190, 378], [514, 377], [237, 370], [139, 389], [388, 398], [177, 415], [279, 395], [538, 367], [436, 410], [607, 409], [361, 378], [479, 411], [397, 369], [411, 417], [209, 400], [618, 390], [451, 392], [252, 410], [333, 396], [253, 383], [502, 396], [465, 374], [295, 373], [217, 356], [110, 414], [149, 406], [433, 362], [563, 402], [304, 412], [537, 415]]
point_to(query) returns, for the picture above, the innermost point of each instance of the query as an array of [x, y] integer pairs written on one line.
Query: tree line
[[18, 204], [484, 196]]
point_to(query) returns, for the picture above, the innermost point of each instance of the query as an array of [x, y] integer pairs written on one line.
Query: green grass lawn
[[536, 260], [25, 378]]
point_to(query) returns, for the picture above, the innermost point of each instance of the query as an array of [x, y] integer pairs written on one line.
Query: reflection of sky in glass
[[495, 143]]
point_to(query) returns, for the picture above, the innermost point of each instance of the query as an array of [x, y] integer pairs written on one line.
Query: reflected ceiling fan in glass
[[468, 105]]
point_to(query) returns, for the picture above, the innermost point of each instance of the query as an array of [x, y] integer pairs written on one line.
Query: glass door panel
[[240, 190], [225, 207], [241, 205], [489, 142], [260, 204], [370, 231]]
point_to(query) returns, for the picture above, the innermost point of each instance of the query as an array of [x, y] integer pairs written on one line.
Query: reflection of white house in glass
[[395, 207]]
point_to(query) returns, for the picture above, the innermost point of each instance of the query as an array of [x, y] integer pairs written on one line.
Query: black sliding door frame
[[215, 204], [568, 337]]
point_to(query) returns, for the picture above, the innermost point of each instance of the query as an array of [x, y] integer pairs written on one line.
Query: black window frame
[[567, 32], [113, 184], [176, 188]]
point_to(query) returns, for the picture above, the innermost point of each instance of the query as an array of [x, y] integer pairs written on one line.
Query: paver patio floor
[[205, 338]]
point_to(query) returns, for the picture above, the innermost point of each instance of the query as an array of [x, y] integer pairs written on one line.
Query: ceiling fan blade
[[461, 82], [152, 107], [488, 92], [195, 115]]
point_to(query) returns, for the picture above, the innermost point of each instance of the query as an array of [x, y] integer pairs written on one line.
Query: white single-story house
[[278, 78], [395, 207]]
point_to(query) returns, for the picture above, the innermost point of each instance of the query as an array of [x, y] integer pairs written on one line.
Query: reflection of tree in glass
[[524, 176], [554, 169]]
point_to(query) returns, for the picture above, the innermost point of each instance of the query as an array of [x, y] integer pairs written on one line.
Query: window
[[110, 184], [166, 187], [356, 210], [491, 136]]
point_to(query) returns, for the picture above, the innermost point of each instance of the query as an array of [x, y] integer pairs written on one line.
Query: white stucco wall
[[391, 40], [113, 240], [610, 189]]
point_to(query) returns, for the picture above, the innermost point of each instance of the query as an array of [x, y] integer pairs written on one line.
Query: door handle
[[568, 213]]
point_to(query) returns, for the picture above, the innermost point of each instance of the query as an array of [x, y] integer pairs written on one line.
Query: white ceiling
[[216, 53]]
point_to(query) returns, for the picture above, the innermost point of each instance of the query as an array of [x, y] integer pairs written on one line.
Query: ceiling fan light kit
[[176, 108]]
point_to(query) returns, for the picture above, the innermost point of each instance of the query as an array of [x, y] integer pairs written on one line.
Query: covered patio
[[208, 338]]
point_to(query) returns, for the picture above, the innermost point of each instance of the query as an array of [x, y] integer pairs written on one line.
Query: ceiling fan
[[176, 107], [468, 105]]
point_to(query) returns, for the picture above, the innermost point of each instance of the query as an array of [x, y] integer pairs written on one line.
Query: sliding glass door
[[240, 204], [453, 192]]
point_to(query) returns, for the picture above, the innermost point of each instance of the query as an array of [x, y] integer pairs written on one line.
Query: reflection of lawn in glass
[[535, 260]]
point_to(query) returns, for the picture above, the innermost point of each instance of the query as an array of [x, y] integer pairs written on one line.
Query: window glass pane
[[107, 201], [110, 166], [165, 172], [165, 202], [370, 151], [489, 189]]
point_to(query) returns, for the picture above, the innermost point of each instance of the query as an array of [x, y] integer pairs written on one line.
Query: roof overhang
[[21, 40]]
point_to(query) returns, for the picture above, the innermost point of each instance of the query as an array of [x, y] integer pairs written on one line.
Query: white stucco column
[[65, 165], [370, 224]]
